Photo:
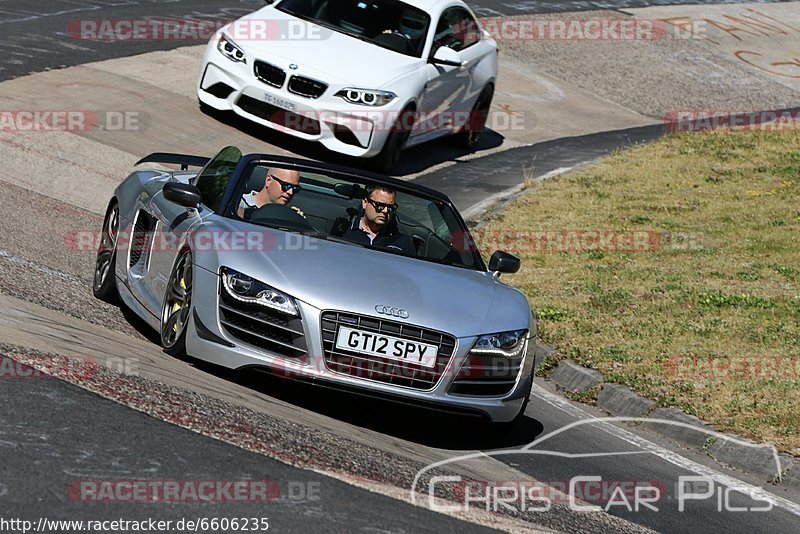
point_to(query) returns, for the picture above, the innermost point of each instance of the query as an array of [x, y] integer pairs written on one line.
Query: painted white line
[[4, 254], [666, 455], [477, 209]]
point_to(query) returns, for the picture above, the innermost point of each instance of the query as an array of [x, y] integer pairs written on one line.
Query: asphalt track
[[44, 427], [55, 434], [40, 34]]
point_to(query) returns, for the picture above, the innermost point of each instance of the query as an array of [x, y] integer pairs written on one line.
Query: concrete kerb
[[619, 400], [735, 452], [576, 378], [751, 459]]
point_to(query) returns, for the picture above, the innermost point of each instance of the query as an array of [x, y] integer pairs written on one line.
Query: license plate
[[390, 347], [280, 102]]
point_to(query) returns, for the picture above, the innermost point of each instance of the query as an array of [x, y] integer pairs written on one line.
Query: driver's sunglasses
[[380, 206], [286, 186]]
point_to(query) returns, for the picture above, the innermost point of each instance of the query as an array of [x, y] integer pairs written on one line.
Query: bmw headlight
[[247, 289], [366, 97], [508, 344], [230, 49]]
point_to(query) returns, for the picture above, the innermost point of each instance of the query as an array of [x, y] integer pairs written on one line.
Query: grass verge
[[674, 268]]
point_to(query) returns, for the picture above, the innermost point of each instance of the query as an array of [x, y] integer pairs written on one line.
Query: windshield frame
[[229, 203], [419, 53]]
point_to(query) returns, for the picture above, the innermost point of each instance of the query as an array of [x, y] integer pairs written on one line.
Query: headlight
[[507, 344], [230, 49], [366, 97], [246, 289]]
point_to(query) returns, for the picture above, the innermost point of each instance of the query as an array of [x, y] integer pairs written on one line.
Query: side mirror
[[503, 262], [446, 56], [186, 195]]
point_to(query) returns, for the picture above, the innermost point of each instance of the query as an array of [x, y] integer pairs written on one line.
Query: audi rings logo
[[396, 312]]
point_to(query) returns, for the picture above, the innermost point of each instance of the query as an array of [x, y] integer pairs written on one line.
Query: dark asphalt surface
[[54, 435], [467, 184], [43, 34]]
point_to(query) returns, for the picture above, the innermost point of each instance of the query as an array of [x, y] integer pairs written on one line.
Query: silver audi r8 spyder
[[281, 285]]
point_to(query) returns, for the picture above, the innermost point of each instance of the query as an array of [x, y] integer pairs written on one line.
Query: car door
[[171, 224], [448, 88]]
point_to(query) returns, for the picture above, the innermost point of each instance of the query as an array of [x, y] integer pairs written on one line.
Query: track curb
[[732, 451]]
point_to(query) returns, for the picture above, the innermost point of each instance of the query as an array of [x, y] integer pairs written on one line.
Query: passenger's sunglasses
[[286, 186], [380, 206]]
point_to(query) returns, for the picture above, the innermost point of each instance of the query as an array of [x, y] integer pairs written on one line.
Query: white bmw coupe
[[366, 78]]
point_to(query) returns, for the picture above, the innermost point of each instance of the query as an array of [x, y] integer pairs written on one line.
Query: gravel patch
[[37, 266], [651, 77]]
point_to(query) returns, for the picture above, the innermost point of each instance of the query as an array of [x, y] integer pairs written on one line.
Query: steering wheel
[[280, 216]]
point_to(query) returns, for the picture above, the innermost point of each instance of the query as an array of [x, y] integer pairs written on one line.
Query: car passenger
[[377, 226], [279, 187]]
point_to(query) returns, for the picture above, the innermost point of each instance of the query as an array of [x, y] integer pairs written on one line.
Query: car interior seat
[[394, 41]]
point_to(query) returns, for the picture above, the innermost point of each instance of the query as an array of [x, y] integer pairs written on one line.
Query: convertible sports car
[[364, 78], [282, 287]]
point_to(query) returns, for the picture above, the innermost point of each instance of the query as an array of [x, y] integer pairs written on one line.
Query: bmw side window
[[467, 29], [456, 29], [212, 181]]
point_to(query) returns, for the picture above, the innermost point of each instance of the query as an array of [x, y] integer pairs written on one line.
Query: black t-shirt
[[389, 237]]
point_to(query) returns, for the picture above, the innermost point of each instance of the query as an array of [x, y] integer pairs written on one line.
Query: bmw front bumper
[[341, 127]]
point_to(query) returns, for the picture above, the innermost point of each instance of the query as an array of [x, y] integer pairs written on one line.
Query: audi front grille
[[382, 369]]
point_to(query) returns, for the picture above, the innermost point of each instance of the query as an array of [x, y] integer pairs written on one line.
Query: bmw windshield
[[389, 24]]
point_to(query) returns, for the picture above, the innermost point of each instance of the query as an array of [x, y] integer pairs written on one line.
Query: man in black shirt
[[377, 226]]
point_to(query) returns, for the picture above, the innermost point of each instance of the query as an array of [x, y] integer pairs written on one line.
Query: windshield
[[389, 24], [354, 212], [212, 180]]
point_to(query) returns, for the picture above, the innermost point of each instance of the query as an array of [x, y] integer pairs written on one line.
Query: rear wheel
[[395, 142], [104, 284], [470, 133], [177, 306]]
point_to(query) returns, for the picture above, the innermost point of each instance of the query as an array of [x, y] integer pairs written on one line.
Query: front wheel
[[470, 133], [177, 306], [389, 155], [104, 283]]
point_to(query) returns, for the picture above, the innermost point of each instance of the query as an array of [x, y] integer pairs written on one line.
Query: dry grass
[[723, 284]]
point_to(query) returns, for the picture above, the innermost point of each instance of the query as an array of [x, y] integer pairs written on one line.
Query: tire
[[104, 282], [470, 133], [389, 155], [177, 307]]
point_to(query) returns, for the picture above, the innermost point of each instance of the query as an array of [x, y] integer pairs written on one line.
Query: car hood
[[320, 53], [338, 276]]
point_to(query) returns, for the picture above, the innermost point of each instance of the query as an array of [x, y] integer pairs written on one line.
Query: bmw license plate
[[279, 102], [390, 347]]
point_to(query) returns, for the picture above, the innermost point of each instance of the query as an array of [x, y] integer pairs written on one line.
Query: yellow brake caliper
[[176, 306]]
